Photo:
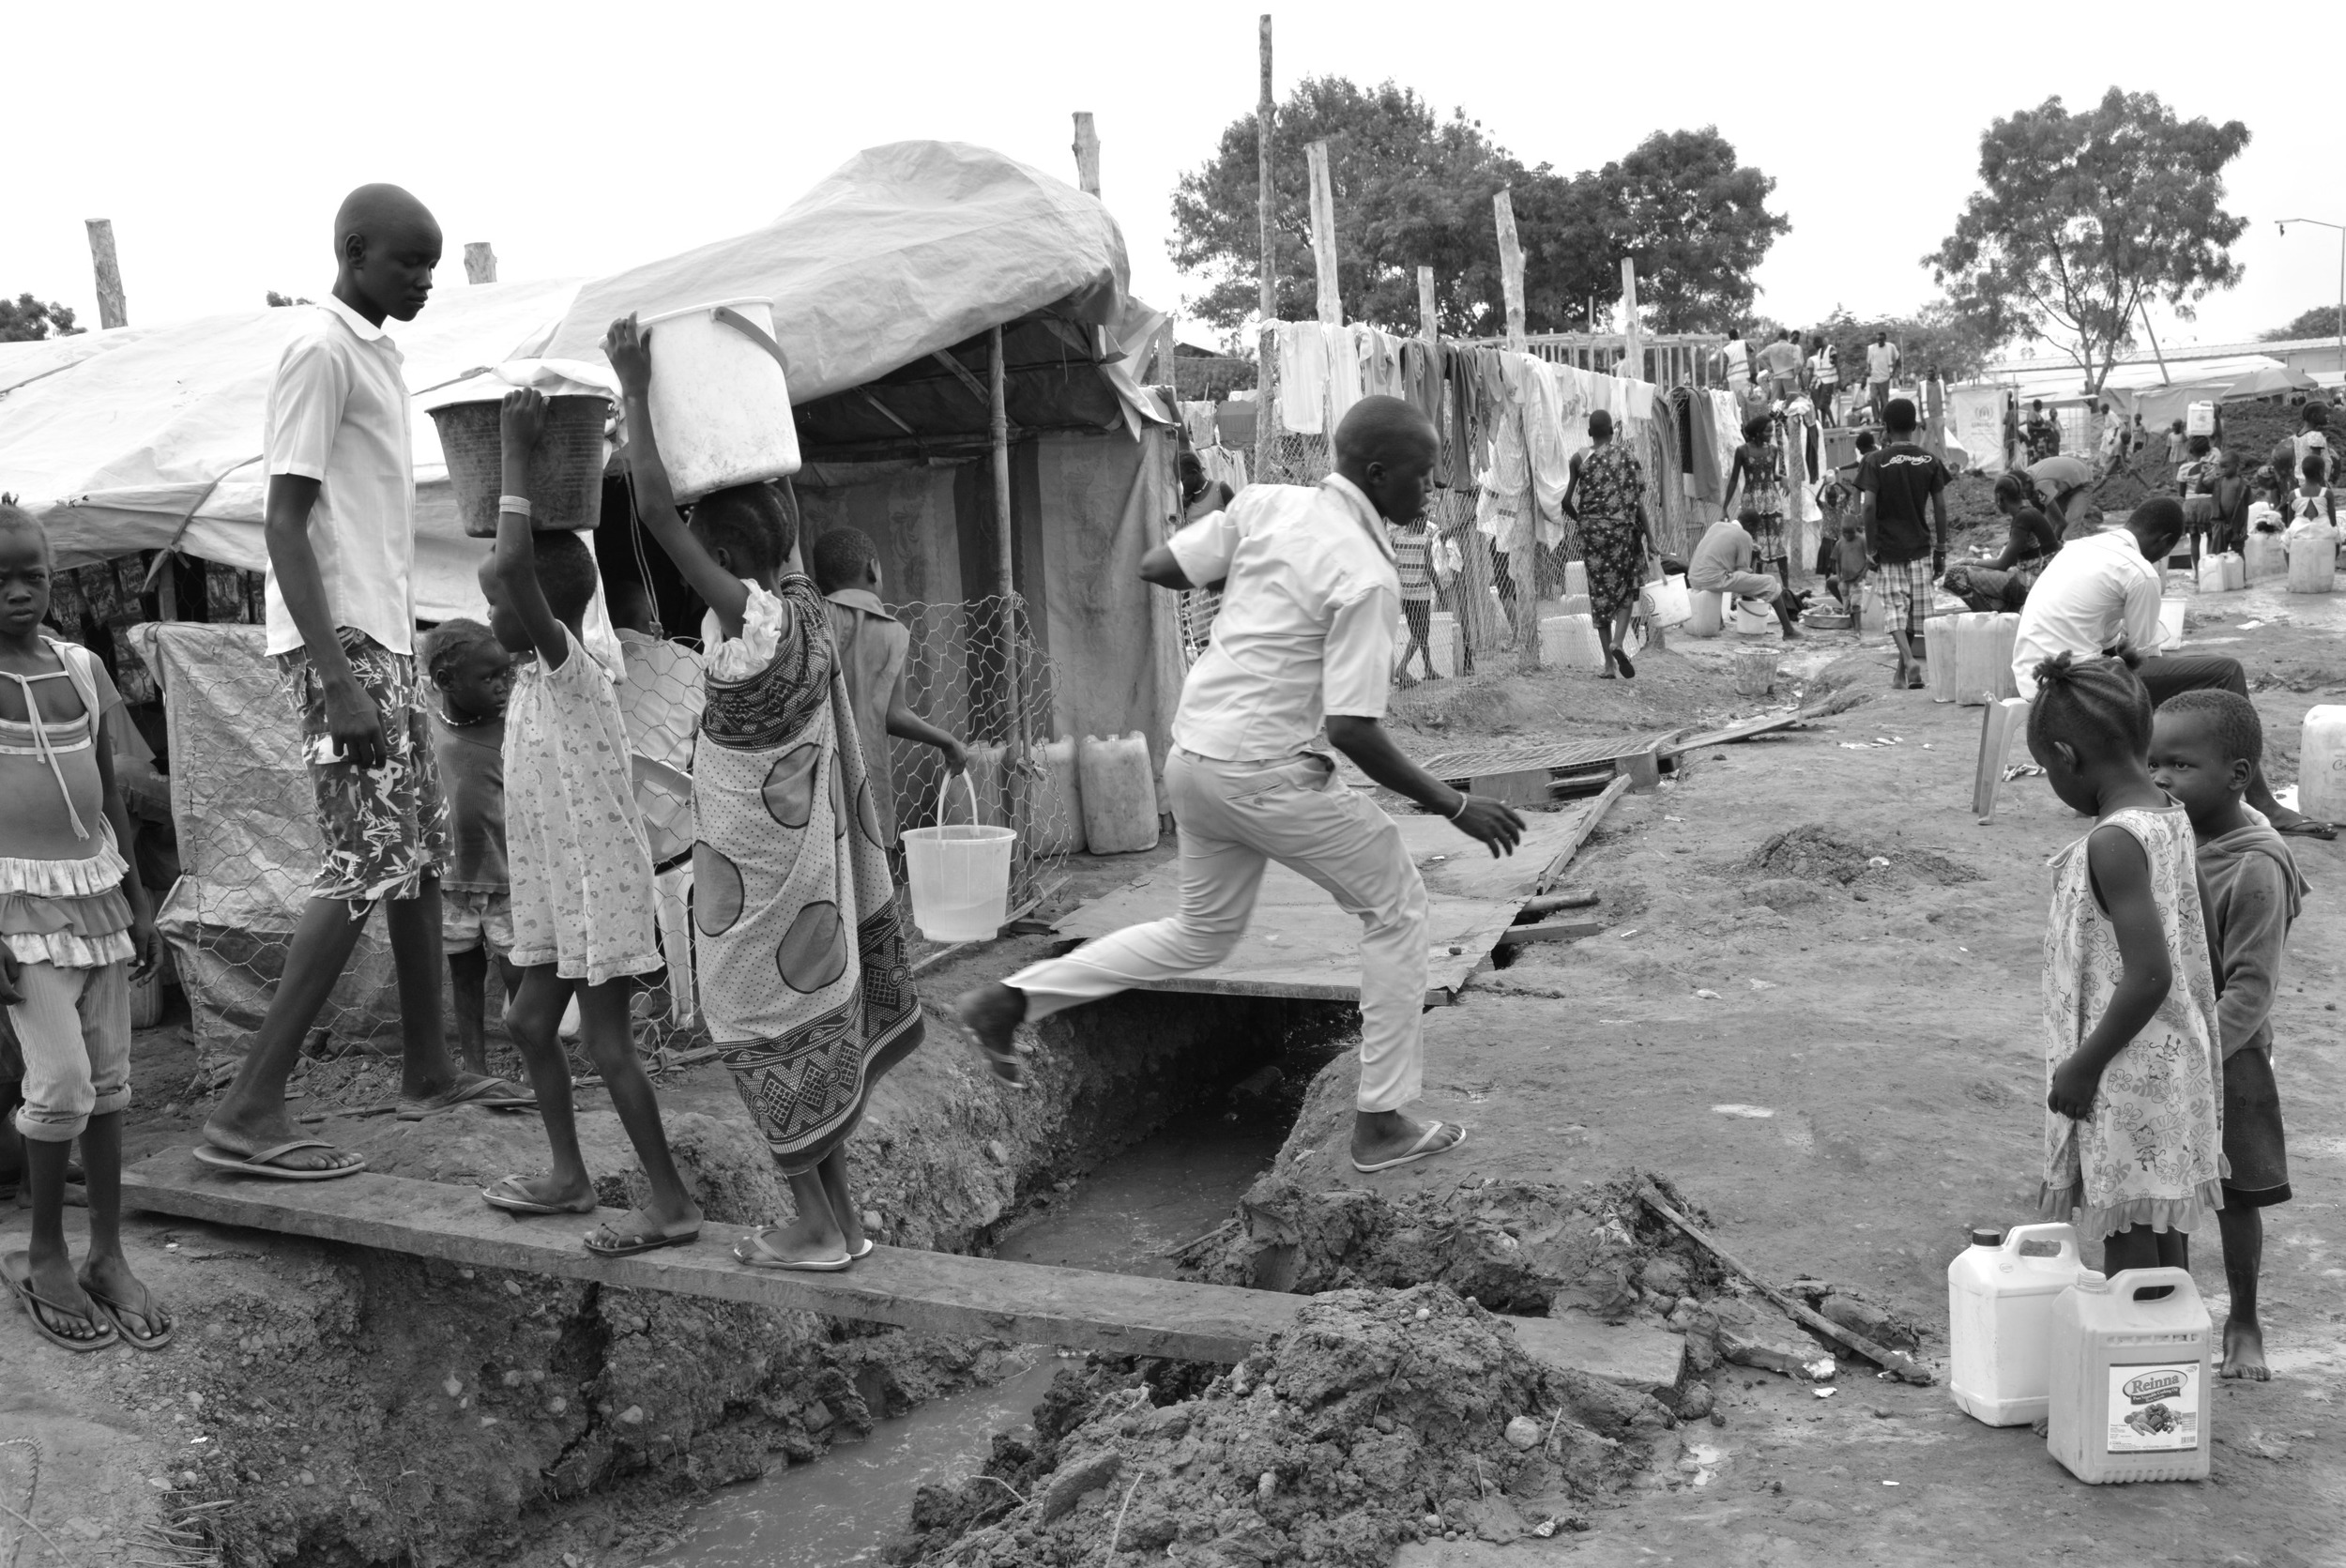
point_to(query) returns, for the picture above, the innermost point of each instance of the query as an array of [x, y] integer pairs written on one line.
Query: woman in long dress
[[1606, 495]]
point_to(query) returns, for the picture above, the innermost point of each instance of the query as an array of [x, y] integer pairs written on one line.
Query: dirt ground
[[1846, 1075]]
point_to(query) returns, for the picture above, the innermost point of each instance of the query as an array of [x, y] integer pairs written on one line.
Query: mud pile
[[1811, 853], [1381, 1417], [1523, 1247]]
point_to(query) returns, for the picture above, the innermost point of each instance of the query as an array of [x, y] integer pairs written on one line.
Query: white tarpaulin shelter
[[143, 437], [903, 251]]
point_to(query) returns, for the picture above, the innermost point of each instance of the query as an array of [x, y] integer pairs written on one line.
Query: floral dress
[[576, 856], [1612, 487], [1765, 494], [2151, 1153]]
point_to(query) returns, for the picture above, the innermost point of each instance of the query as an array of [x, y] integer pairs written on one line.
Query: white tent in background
[[146, 438]]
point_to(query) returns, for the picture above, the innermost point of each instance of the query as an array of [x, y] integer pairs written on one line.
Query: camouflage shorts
[[384, 828]]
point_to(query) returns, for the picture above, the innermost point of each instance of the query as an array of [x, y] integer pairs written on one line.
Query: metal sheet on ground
[[937, 1292], [1300, 944]]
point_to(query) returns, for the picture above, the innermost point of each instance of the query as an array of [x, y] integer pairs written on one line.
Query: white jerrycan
[[2000, 1302]]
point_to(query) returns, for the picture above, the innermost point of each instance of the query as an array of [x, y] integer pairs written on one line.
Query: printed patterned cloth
[[2151, 1153], [1908, 588], [575, 851], [1612, 484], [802, 971], [385, 829], [1764, 467]]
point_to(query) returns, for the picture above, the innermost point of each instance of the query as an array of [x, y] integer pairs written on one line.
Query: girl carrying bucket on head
[[2132, 1151], [803, 972]]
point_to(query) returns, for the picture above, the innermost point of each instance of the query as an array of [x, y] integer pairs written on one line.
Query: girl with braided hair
[[2132, 1148]]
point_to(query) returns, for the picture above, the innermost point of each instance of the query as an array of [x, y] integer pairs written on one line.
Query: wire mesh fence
[[240, 808]]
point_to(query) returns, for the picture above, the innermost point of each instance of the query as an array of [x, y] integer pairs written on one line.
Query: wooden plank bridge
[[937, 1292]]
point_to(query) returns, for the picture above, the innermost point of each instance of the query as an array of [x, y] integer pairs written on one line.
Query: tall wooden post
[[1429, 316], [1634, 367], [1510, 267], [1006, 585], [1086, 153], [480, 262], [111, 311], [1265, 113], [1324, 234]]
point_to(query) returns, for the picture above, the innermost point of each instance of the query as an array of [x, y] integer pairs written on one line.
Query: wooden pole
[[1510, 267], [1429, 318], [1086, 153], [480, 262], [102, 255], [1006, 585], [1265, 113], [2164, 379], [1324, 234], [1634, 367]]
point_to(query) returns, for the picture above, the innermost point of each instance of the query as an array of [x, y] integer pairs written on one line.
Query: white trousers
[[1235, 817]]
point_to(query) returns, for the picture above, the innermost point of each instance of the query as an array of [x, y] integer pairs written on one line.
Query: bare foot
[[2244, 1352], [110, 1277], [247, 1130], [992, 1014]]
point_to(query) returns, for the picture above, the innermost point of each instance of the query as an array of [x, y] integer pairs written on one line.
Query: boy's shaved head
[[386, 245], [379, 212]]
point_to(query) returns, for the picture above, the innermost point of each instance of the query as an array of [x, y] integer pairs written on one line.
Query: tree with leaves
[[26, 319], [2082, 219], [1413, 189], [2320, 321]]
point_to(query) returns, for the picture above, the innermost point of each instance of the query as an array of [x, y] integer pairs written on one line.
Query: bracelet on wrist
[[516, 504], [1463, 799]]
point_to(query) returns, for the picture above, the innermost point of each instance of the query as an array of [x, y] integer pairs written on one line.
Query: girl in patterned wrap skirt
[[801, 967]]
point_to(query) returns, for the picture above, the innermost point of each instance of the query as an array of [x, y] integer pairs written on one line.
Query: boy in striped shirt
[[1413, 558]]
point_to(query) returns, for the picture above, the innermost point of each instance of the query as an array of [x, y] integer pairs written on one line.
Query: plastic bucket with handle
[[720, 403], [960, 876]]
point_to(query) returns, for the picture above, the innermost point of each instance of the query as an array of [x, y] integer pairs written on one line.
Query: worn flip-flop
[[119, 1314], [2308, 827], [862, 1252], [628, 1243], [470, 1088], [1425, 1147], [508, 1195], [16, 1272], [263, 1161], [752, 1249]]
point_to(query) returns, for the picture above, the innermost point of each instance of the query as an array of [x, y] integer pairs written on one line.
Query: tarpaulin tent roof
[[902, 253], [143, 430]]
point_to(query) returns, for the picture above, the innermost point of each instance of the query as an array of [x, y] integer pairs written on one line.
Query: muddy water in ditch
[[1122, 1218]]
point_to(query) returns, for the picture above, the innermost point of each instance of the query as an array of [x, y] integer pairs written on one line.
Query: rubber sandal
[[2308, 827], [116, 1312], [1002, 1060], [1628, 670], [752, 1251], [16, 1272], [1418, 1150], [631, 1244], [470, 1088], [862, 1252], [263, 1161], [507, 1195]]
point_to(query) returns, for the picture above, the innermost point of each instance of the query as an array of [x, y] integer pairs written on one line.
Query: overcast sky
[[582, 137]]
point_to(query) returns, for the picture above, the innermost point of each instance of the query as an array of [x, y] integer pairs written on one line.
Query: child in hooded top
[[75, 927], [579, 862], [2132, 1153], [2204, 747], [472, 677]]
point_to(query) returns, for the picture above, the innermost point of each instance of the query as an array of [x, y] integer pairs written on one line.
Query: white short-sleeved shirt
[[338, 413], [2092, 590], [1310, 594], [1881, 361]]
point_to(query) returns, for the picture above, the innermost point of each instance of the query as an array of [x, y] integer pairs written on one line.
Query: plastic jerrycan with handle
[[2321, 763], [2129, 1393], [1999, 1300]]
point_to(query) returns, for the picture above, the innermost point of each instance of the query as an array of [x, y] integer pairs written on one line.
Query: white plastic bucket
[[960, 877], [1667, 602], [2171, 623], [1753, 619], [718, 401]]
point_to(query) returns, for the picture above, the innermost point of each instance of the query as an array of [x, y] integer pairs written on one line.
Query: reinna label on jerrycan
[[2130, 1378]]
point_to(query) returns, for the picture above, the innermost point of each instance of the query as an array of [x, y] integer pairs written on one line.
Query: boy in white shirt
[[340, 531]]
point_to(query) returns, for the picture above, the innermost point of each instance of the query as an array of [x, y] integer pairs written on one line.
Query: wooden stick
[[480, 262], [1511, 285], [1632, 363], [1086, 153], [111, 310], [1266, 112], [1324, 234], [1429, 318], [1896, 1362]]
